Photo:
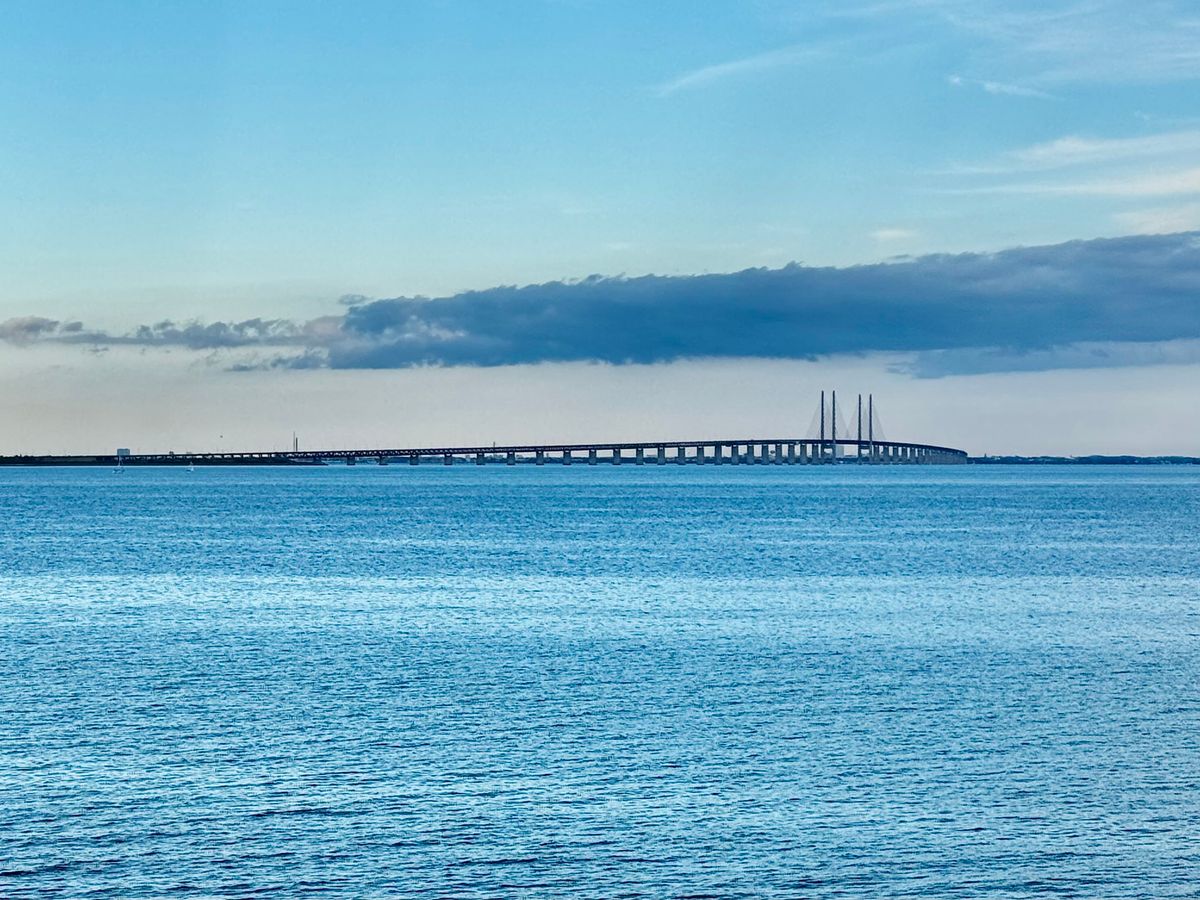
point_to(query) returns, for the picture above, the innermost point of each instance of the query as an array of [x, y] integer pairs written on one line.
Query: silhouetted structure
[[821, 449]]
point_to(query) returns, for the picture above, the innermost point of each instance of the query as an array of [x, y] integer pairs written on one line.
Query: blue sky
[[224, 162]]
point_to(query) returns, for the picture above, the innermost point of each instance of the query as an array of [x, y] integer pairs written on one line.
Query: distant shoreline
[[1084, 460]]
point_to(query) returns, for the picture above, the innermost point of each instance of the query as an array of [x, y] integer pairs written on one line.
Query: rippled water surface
[[754, 681]]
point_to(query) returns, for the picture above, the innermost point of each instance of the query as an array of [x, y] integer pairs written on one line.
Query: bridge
[[824, 447]]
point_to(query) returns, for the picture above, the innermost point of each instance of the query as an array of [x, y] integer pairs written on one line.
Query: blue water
[[640, 682]]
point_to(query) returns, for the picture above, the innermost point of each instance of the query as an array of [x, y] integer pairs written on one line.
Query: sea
[[610, 681]]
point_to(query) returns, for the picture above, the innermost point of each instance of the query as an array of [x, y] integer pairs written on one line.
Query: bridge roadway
[[785, 451]]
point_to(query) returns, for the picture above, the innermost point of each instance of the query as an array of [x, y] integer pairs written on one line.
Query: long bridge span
[[746, 451], [825, 448]]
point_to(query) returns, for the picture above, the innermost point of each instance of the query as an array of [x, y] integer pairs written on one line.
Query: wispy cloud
[[1019, 304], [708, 75], [1150, 165], [892, 235], [1176, 183], [1078, 150], [1096, 41], [1000, 88], [1035, 45], [1015, 48], [1160, 219]]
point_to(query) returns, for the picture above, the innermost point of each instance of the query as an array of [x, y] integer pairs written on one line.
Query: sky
[[424, 221]]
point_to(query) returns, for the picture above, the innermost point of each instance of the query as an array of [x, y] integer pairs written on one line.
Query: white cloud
[[1151, 165], [1102, 41], [1018, 48], [773, 59], [891, 235], [1182, 182], [1074, 150], [1078, 150], [1049, 42], [1161, 219], [1000, 88], [1014, 90]]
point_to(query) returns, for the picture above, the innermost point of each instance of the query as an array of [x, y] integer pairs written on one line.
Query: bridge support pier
[[566, 458], [639, 456], [539, 457], [662, 456], [779, 454], [350, 461], [699, 453], [616, 457], [717, 460], [791, 454], [680, 455], [414, 460], [382, 461], [447, 459], [510, 458], [591, 457], [479, 459]]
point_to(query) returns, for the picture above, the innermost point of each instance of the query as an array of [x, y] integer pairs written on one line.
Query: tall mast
[[871, 424], [822, 445], [833, 427], [858, 449]]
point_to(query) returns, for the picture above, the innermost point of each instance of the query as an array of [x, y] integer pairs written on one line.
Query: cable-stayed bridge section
[[829, 444]]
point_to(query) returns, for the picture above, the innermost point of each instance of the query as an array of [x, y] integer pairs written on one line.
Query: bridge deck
[[789, 450]]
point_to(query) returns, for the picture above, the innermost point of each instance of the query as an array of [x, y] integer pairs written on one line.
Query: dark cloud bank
[[1084, 303]]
